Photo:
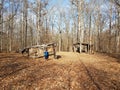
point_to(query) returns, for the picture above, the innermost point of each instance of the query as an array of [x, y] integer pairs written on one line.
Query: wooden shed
[[86, 47], [38, 50]]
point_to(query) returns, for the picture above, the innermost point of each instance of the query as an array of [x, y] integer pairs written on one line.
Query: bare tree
[[80, 10], [1, 25]]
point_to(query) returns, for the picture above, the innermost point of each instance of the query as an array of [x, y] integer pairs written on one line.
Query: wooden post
[[54, 51]]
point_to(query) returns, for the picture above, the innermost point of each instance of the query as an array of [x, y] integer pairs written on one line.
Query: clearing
[[72, 71]]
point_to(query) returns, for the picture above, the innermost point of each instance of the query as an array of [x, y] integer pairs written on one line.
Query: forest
[[40, 41], [25, 23]]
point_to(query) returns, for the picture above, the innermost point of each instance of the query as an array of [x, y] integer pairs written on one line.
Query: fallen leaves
[[21, 73]]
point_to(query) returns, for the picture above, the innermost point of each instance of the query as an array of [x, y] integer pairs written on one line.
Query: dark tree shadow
[[57, 57]]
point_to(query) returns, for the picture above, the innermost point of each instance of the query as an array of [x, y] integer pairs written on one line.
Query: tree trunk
[[25, 18], [90, 35], [1, 25], [109, 39]]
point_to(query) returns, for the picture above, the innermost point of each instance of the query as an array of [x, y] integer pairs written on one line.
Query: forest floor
[[73, 71]]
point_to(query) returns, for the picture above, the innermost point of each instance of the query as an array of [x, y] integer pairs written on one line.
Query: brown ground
[[72, 71]]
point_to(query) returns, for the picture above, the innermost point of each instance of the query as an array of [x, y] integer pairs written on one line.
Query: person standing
[[46, 54]]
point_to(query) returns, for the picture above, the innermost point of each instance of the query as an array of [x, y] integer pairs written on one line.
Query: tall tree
[[1, 25], [25, 13], [80, 10]]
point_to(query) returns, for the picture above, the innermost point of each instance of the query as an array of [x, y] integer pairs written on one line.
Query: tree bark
[[1, 25]]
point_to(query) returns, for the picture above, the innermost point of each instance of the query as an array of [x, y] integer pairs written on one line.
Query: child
[[46, 54]]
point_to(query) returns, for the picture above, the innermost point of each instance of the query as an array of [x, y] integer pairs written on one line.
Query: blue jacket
[[46, 53]]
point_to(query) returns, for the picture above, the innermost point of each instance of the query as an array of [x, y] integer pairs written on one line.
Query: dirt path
[[72, 71]]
